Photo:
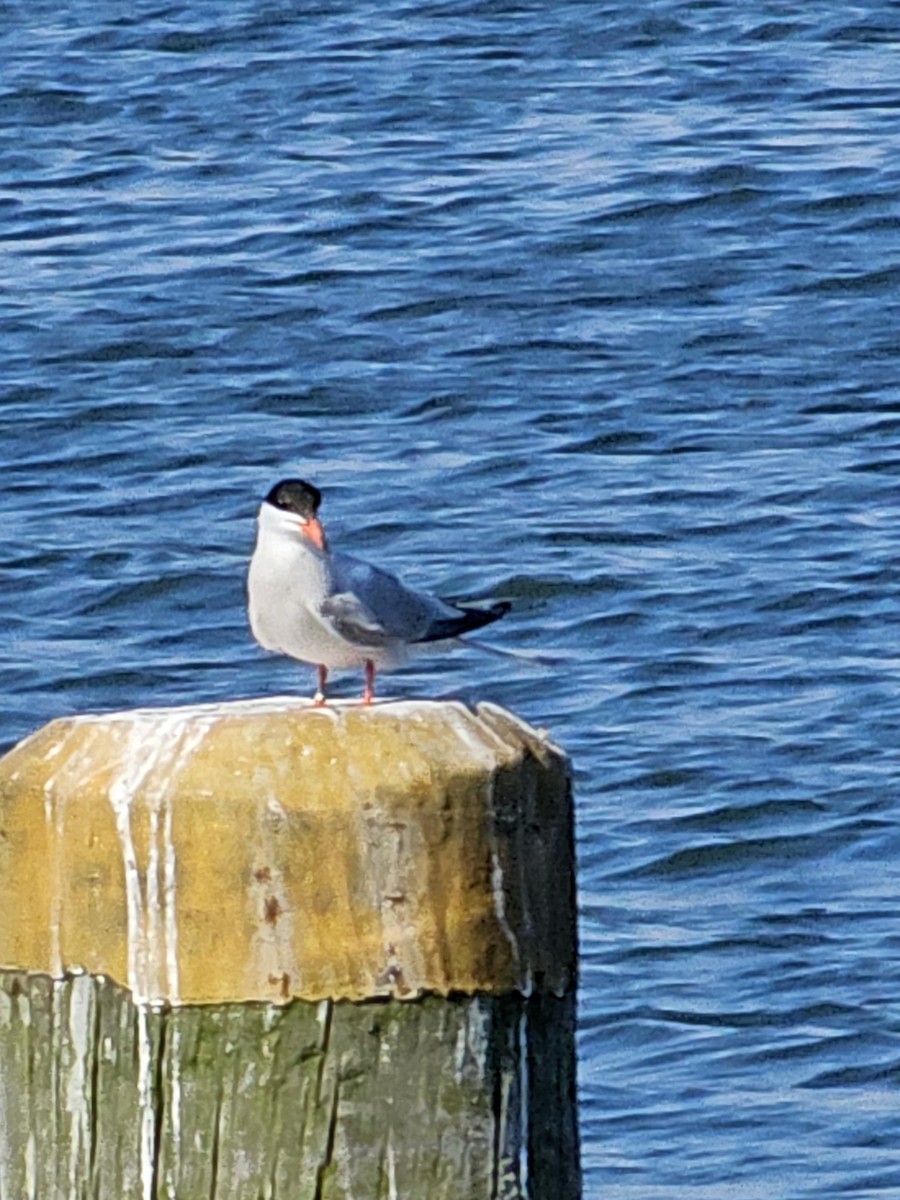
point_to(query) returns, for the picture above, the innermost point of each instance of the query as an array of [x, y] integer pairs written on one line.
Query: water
[[594, 307]]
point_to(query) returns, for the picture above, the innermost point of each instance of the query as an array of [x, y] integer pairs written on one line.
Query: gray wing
[[370, 607]]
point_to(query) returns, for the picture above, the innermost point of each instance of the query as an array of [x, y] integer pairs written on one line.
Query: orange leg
[[369, 689], [319, 697]]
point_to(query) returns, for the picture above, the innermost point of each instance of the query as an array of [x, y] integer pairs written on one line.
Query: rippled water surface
[[594, 307]]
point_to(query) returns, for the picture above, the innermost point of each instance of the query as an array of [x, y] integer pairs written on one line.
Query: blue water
[[594, 307]]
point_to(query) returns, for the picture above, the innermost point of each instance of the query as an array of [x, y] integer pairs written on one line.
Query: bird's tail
[[465, 618], [526, 657]]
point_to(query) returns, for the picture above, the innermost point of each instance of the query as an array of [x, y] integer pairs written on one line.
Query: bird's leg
[[319, 697], [369, 689]]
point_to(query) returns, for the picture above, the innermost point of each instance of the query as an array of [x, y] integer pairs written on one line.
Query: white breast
[[287, 582]]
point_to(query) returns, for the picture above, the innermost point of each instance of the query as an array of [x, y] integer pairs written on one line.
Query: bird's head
[[294, 503]]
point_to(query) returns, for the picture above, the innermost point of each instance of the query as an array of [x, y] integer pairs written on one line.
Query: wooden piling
[[267, 950]]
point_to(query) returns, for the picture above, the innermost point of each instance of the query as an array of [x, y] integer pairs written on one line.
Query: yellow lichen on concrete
[[271, 849]]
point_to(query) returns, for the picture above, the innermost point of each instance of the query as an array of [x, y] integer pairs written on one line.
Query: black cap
[[295, 495]]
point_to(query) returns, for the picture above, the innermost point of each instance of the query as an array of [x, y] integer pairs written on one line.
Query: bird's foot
[[319, 697]]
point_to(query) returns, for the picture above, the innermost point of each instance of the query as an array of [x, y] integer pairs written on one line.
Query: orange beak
[[314, 532]]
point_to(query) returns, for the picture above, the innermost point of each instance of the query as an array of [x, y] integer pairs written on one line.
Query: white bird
[[333, 610]]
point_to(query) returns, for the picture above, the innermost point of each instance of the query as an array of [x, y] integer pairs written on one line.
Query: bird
[[333, 610]]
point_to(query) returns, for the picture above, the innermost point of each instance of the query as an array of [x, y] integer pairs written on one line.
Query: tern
[[333, 610]]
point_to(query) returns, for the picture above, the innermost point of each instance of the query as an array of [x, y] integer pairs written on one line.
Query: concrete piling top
[[270, 849]]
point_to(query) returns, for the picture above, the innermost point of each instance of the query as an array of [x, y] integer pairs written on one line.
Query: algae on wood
[[304, 1101]]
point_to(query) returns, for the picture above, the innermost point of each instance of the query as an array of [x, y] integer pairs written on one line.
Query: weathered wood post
[[267, 951]]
